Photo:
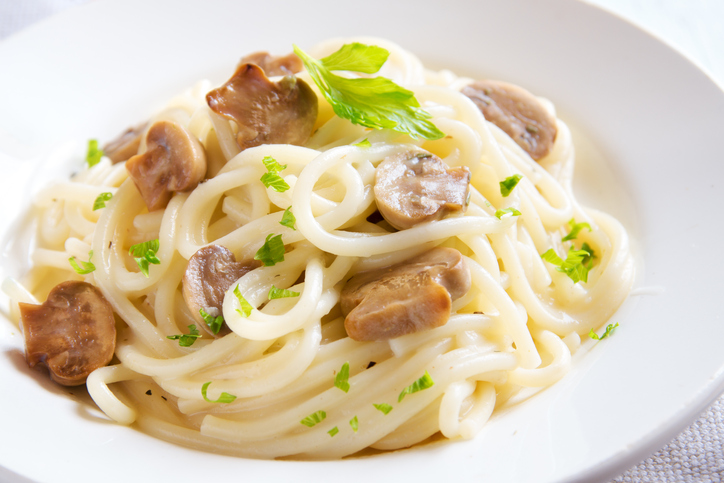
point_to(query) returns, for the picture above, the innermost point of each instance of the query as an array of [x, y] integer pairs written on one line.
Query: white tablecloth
[[694, 27]]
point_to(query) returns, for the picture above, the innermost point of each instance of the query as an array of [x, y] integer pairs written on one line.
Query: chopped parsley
[[214, 323], [288, 219], [186, 340], [377, 103], [508, 184], [100, 201], [271, 178], [224, 398], [314, 419], [573, 264], [93, 155], [272, 251], [365, 143], [145, 254], [341, 380], [588, 261], [246, 307], [354, 423], [85, 267], [575, 229], [609, 330], [332, 432], [384, 407], [421, 384], [500, 213], [280, 293]]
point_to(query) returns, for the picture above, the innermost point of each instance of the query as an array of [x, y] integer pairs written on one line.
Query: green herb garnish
[[384, 407], [573, 264], [224, 398], [85, 267], [332, 432], [365, 143], [272, 251], [575, 229], [341, 380], [354, 423], [609, 330], [314, 419], [421, 384], [377, 102], [280, 293], [271, 178], [288, 219], [512, 211], [93, 155], [100, 201], [214, 323], [246, 307], [186, 340], [145, 254], [508, 184]]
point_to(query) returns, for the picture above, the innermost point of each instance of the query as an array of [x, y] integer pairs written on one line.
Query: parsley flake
[[288, 219], [421, 384], [224, 398], [332, 432], [341, 380], [609, 330], [93, 154], [214, 323], [384, 407], [354, 423], [365, 143], [186, 340], [377, 102], [145, 254], [280, 293], [272, 251], [271, 178], [100, 201], [314, 419], [575, 229], [508, 184], [573, 264], [500, 213], [85, 267], [246, 307]]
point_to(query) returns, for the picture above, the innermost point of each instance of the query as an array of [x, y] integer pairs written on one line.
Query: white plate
[[656, 118]]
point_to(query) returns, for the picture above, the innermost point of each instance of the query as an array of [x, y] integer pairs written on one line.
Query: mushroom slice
[[174, 161], [517, 112], [209, 274], [125, 145], [73, 332], [273, 64], [415, 186], [408, 297], [266, 112]]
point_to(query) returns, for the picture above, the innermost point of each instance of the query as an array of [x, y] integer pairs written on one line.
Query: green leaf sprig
[[246, 307], [280, 293], [225, 397], [421, 384], [508, 184], [100, 201], [272, 251], [354, 423], [93, 154], [609, 331], [186, 340], [314, 419], [575, 229], [271, 178], [377, 102], [341, 380], [145, 254], [573, 264], [384, 407], [288, 219], [85, 267], [214, 323], [333, 432], [499, 213]]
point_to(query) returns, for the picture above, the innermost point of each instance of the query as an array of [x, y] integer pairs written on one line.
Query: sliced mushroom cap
[[517, 112], [209, 274], [406, 298], [266, 112], [73, 332], [415, 186], [125, 145], [174, 161], [274, 65]]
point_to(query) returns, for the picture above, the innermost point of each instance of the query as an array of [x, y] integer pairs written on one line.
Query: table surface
[[693, 27]]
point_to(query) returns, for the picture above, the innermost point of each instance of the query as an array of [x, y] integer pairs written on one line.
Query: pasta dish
[[334, 251]]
